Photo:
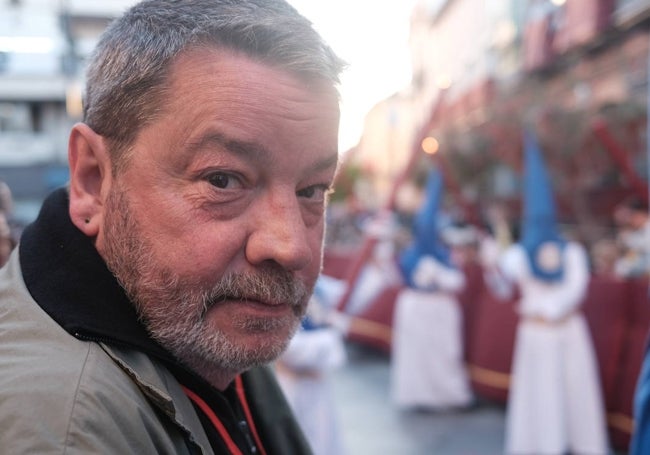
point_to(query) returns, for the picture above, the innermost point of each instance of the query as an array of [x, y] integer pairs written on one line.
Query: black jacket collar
[[67, 277]]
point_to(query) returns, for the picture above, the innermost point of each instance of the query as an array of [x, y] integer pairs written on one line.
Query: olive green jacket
[[63, 395]]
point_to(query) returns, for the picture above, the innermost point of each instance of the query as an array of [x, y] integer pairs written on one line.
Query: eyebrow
[[326, 163], [252, 150], [242, 148]]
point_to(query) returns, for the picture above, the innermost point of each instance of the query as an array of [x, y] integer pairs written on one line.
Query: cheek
[[206, 251], [201, 254]]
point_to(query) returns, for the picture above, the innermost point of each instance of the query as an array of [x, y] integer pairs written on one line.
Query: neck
[[219, 378]]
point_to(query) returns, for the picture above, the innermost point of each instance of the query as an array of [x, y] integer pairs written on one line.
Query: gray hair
[[127, 78]]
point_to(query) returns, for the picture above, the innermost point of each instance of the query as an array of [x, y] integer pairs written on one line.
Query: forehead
[[241, 83], [222, 94]]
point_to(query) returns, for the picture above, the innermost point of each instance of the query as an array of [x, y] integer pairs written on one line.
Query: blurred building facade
[[574, 70], [44, 45]]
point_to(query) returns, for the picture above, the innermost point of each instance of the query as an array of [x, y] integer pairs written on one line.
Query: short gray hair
[[128, 74]]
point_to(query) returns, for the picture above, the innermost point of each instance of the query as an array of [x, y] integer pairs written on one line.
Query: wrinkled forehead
[[218, 99], [234, 75]]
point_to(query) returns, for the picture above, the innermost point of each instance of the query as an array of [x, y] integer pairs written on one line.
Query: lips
[[268, 287], [254, 303], [256, 299]]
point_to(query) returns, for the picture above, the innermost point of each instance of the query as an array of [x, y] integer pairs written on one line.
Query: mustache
[[271, 285]]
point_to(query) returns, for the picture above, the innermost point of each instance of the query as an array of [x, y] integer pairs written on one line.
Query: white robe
[[303, 373], [555, 401], [427, 368]]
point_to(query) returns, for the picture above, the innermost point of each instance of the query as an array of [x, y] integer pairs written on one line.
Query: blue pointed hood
[[426, 233], [541, 237]]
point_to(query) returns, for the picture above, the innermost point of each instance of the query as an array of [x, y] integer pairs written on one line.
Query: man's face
[[216, 226]]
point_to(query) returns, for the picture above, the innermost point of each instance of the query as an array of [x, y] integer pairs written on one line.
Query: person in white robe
[[555, 403], [303, 372], [427, 367]]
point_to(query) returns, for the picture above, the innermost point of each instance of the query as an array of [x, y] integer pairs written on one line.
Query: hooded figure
[[540, 235], [427, 239], [555, 402], [427, 367]]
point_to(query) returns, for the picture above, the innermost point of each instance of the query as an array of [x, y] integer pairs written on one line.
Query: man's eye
[[222, 180], [314, 192]]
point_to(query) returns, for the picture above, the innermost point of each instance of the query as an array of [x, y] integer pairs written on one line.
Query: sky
[[372, 37]]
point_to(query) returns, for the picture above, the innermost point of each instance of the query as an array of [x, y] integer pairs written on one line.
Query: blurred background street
[[372, 425]]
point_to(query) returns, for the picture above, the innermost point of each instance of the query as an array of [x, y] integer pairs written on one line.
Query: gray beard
[[173, 308]]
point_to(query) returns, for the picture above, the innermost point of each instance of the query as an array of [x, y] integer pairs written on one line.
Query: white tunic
[[555, 401], [427, 368], [303, 373]]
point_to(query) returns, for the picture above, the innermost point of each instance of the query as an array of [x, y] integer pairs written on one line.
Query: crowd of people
[[555, 402]]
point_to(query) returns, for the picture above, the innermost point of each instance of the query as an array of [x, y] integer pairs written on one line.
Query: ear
[[90, 178]]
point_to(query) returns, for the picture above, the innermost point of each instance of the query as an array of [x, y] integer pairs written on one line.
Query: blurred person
[[632, 215], [604, 254], [427, 368], [496, 237], [377, 273], [6, 199], [463, 241], [640, 441], [6, 240], [555, 403], [633, 221], [304, 371], [380, 270], [142, 307], [498, 225], [11, 228]]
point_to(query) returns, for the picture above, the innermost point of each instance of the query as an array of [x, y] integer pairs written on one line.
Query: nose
[[280, 234]]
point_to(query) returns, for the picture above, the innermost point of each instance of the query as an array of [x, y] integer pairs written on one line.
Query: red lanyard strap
[[221, 429], [234, 450], [239, 387]]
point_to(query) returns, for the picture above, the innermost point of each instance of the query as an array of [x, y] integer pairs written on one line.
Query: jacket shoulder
[[59, 394]]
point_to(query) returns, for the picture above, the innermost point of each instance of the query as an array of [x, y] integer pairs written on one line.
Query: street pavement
[[371, 425]]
